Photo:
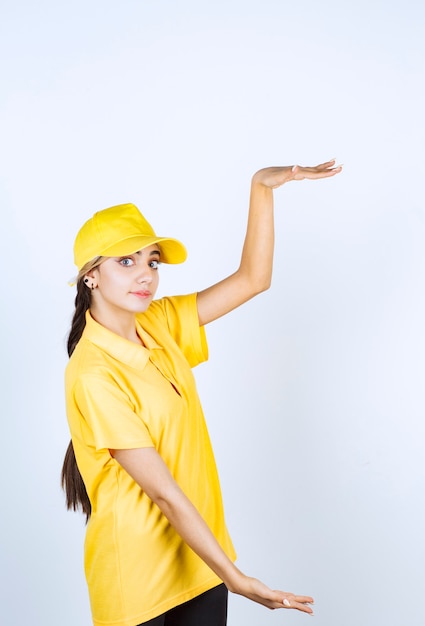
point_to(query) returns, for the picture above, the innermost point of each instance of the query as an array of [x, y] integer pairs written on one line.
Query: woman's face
[[127, 284]]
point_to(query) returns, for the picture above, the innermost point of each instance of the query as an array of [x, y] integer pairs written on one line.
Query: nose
[[145, 275]]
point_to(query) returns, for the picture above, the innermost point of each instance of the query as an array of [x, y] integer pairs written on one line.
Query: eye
[[126, 261], [154, 264]]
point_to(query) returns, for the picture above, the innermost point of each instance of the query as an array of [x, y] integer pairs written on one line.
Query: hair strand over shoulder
[[71, 479]]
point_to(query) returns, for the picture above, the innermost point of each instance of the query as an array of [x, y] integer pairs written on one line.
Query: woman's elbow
[[254, 285], [261, 286]]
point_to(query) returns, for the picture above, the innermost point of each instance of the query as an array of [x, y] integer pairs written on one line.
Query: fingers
[[304, 599], [326, 165], [257, 591], [304, 608], [274, 177], [323, 170], [300, 603]]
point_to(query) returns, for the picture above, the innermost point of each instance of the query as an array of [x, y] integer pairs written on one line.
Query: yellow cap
[[120, 230]]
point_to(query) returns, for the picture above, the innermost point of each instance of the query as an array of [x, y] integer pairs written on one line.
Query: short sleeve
[[109, 414], [181, 317]]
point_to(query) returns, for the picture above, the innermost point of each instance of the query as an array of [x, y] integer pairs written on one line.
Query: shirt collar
[[123, 350]]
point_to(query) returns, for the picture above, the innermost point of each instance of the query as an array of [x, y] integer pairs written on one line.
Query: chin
[[142, 306]]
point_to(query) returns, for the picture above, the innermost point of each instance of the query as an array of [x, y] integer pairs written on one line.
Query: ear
[[90, 280], [91, 274]]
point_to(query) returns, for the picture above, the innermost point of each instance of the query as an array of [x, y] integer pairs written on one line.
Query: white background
[[314, 391]]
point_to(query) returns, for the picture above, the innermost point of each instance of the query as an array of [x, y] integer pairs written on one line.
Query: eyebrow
[[152, 253]]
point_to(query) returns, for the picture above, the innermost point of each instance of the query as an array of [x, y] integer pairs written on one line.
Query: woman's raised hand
[[274, 177], [255, 270], [257, 591]]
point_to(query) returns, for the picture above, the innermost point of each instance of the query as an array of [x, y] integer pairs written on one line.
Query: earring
[[86, 282]]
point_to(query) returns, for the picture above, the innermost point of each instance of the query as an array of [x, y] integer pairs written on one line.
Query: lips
[[141, 294]]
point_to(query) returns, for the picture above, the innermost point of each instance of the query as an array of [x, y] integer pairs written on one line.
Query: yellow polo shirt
[[123, 395]]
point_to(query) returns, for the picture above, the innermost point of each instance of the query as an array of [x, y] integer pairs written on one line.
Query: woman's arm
[[255, 270], [148, 469]]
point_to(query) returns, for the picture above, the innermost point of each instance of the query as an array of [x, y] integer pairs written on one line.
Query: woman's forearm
[[257, 253], [148, 469], [192, 528]]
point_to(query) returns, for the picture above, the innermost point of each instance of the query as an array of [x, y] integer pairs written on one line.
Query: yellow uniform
[[121, 395]]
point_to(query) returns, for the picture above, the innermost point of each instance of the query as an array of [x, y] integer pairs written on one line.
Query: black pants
[[208, 609]]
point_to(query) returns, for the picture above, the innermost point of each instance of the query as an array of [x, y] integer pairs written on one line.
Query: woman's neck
[[123, 324]]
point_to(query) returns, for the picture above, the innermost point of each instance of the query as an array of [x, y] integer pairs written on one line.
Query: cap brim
[[172, 250]]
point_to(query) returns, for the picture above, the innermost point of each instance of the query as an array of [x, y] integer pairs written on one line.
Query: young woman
[[140, 463]]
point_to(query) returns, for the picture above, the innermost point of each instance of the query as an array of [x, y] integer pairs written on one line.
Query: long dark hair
[[71, 479]]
